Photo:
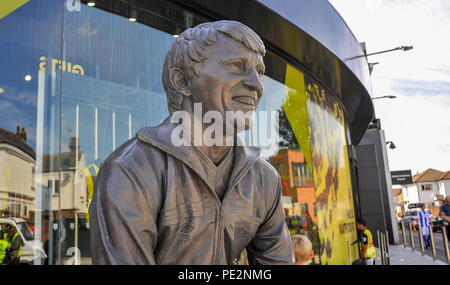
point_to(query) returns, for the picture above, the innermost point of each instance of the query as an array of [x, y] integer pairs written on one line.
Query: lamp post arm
[[404, 48], [389, 50], [388, 96]]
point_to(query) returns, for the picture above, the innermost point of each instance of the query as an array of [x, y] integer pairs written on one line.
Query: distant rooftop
[[445, 176], [17, 141], [429, 175]]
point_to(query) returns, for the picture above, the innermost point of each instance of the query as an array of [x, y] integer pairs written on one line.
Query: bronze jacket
[[155, 203]]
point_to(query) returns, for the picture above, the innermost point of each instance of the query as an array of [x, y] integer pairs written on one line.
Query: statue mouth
[[246, 100]]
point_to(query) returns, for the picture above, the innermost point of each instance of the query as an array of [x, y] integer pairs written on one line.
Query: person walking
[[366, 239], [424, 220], [445, 215]]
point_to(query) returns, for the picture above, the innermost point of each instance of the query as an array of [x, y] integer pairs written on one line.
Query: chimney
[[23, 134], [72, 145]]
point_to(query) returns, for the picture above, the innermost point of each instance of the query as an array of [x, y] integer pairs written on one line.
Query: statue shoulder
[[136, 159], [267, 170]]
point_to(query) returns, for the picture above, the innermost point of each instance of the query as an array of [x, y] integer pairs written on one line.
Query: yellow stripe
[[296, 111], [90, 184], [9, 6]]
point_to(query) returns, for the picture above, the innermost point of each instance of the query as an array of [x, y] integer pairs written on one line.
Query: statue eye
[[260, 71], [237, 65]]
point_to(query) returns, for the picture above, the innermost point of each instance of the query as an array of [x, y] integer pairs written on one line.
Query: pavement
[[405, 256]]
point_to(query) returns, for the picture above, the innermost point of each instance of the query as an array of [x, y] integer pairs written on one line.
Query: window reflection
[[62, 115]]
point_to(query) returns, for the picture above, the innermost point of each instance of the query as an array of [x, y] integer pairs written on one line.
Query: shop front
[[78, 79]]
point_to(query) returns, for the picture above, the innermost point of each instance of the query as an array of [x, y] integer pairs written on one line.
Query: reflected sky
[[21, 46]]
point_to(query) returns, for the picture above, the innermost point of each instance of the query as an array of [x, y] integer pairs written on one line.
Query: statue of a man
[[158, 202]]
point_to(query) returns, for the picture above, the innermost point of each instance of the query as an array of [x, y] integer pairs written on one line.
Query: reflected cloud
[[85, 30], [23, 97]]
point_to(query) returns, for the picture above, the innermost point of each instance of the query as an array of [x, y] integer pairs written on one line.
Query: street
[[438, 241]]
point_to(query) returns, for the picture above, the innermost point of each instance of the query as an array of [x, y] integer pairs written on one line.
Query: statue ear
[[180, 82]]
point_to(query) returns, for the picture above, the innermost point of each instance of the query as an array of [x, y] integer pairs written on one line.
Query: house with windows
[[444, 183], [296, 181], [17, 168], [429, 187]]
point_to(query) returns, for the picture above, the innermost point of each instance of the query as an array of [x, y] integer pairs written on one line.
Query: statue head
[[219, 64]]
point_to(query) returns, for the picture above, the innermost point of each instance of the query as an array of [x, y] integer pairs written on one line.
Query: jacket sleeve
[[122, 218], [272, 242]]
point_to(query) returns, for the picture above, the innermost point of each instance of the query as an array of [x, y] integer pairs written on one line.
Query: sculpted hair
[[192, 47]]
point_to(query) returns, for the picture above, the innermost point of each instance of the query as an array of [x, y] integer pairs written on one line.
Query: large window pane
[[30, 37], [115, 90], [80, 98]]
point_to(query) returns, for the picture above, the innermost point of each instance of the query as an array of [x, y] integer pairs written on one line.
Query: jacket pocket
[[182, 211], [245, 220]]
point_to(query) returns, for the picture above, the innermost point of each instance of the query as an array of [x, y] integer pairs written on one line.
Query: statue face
[[230, 79]]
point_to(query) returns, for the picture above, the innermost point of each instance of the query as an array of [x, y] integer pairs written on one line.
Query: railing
[[431, 240], [383, 244]]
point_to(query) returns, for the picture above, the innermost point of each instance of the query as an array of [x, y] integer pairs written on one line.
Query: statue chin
[[238, 126]]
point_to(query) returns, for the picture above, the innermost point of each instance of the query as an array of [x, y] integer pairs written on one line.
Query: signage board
[[401, 177]]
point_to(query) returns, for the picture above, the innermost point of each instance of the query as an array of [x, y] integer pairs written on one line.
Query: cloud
[[418, 87], [443, 147], [419, 127], [4, 106], [85, 30], [28, 98], [417, 121], [22, 97]]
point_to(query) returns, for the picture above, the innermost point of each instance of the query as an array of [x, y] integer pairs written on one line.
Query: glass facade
[[78, 81]]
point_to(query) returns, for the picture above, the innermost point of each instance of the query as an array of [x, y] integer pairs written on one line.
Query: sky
[[418, 120]]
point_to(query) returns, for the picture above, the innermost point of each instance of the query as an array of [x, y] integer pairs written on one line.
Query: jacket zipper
[[219, 237], [220, 226]]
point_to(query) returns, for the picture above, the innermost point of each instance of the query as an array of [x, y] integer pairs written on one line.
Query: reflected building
[[67, 186], [296, 180], [17, 167]]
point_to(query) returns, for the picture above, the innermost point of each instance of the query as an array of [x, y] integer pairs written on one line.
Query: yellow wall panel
[[9, 6]]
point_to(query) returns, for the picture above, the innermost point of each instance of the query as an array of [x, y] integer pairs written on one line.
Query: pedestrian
[[445, 215], [4, 245], [15, 246], [424, 220], [303, 251], [366, 239]]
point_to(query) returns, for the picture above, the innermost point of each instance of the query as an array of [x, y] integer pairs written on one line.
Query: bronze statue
[[159, 202]]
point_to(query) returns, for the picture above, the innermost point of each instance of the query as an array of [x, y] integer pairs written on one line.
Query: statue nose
[[254, 83]]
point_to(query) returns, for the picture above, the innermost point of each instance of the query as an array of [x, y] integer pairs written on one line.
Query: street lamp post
[[387, 96], [403, 48], [375, 123], [375, 137], [391, 145]]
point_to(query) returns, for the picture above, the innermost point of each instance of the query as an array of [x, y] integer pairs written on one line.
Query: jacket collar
[[160, 137]]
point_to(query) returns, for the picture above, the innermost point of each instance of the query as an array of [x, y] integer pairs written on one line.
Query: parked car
[[438, 224], [32, 249], [410, 217]]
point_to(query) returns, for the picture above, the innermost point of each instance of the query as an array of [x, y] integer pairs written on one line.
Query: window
[[301, 174], [25, 230], [427, 187], [280, 169]]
